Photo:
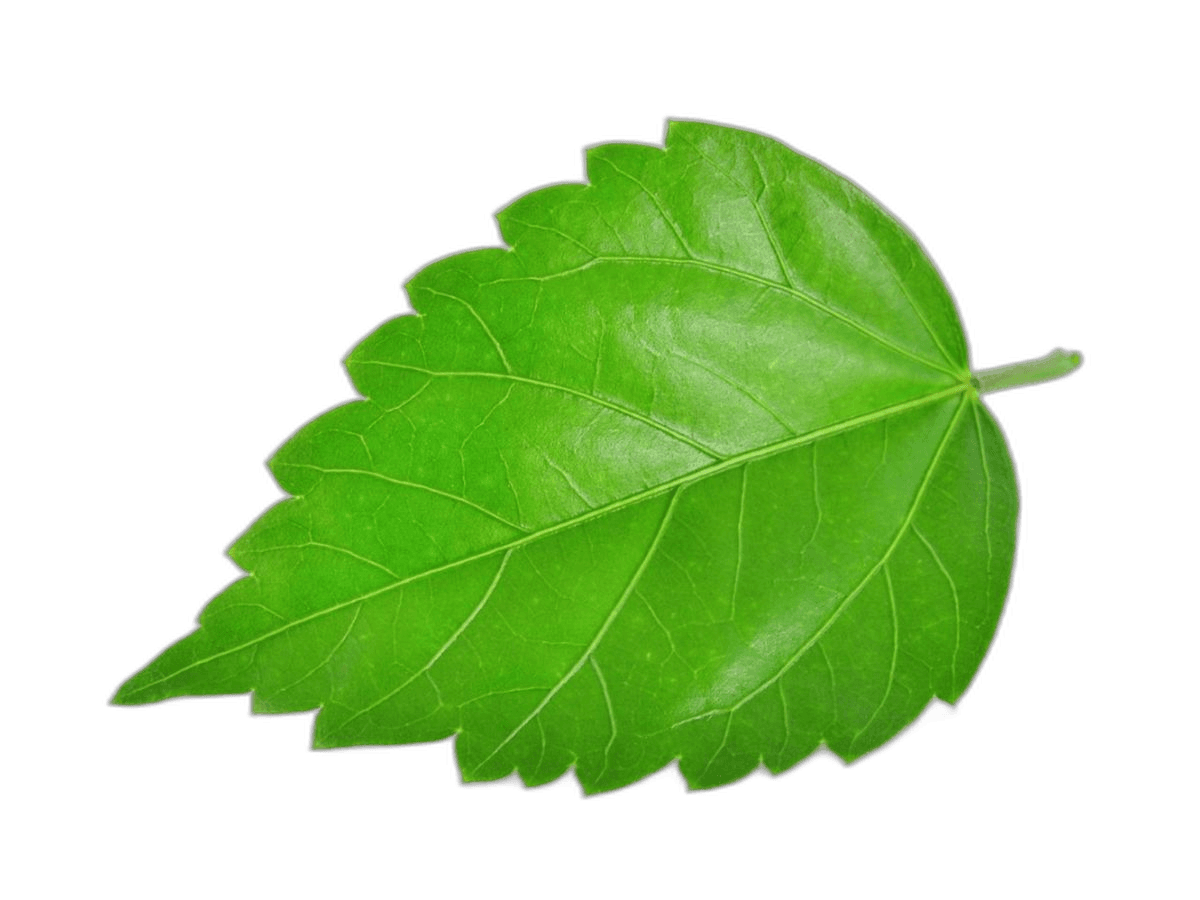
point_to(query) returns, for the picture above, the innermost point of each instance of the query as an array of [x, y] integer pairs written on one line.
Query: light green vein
[[612, 715], [561, 388], [708, 471], [725, 379], [767, 230], [745, 276], [891, 679], [957, 612], [591, 648], [662, 211], [987, 481], [858, 589], [912, 303], [324, 662], [449, 642], [478, 318], [737, 571], [409, 484], [320, 545]]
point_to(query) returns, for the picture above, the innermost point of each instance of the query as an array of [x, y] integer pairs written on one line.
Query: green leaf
[[696, 470]]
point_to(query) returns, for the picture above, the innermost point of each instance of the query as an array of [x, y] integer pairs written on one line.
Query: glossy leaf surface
[[695, 471]]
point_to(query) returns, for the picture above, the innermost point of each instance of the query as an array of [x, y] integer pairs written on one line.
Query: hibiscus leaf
[[695, 469]]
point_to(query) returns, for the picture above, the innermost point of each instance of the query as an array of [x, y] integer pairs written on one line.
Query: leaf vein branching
[[399, 407], [754, 199], [891, 679], [550, 385], [666, 217], [462, 447], [566, 476], [261, 606], [479, 698], [410, 484], [361, 438], [612, 715], [666, 631], [437, 691], [900, 282], [558, 231], [491, 412], [849, 598], [957, 609], [708, 471], [549, 585], [478, 318], [604, 627], [449, 642], [512, 488], [321, 545], [762, 218], [741, 389], [805, 298], [686, 572], [324, 662], [721, 746]]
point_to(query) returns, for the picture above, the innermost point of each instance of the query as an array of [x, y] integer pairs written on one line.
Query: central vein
[[707, 471]]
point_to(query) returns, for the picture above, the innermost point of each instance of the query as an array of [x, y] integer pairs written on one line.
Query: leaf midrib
[[679, 481]]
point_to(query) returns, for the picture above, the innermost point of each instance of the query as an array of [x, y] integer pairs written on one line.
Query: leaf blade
[[526, 470]]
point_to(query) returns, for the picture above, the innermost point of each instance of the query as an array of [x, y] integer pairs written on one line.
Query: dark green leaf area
[[693, 471]]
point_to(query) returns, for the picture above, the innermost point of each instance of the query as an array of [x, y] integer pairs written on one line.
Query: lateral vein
[[591, 648], [697, 475], [841, 607], [562, 388]]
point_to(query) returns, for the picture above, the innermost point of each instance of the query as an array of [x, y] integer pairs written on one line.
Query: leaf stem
[[1054, 364]]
